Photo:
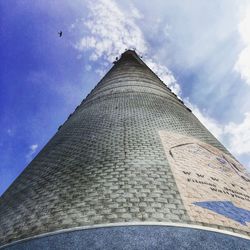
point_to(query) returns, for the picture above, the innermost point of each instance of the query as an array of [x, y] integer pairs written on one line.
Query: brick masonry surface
[[107, 163]]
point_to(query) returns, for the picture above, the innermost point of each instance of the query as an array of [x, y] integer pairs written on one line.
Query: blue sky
[[201, 49]]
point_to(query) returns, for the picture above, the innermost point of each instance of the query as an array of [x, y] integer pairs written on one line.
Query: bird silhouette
[[60, 34]]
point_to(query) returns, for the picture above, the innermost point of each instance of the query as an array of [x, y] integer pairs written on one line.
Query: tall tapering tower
[[131, 168]]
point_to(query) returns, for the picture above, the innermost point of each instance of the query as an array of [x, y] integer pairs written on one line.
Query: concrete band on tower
[[131, 168]]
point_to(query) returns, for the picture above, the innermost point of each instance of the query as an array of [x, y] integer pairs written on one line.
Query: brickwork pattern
[[106, 164]]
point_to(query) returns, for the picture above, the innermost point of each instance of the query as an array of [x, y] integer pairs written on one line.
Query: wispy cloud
[[239, 135], [236, 136], [211, 124], [165, 74], [111, 31], [32, 150], [243, 62]]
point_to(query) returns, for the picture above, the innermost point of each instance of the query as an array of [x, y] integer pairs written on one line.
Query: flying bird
[[60, 34]]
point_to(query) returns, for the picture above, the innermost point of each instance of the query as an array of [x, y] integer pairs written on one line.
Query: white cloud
[[33, 147], [243, 62], [165, 75], [135, 13], [239, 136], [32, 150], [236, 136], [211, 124], [111, 31], [100, 72]]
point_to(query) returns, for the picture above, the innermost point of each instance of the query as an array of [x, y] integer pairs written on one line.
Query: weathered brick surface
[[106, 163]]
